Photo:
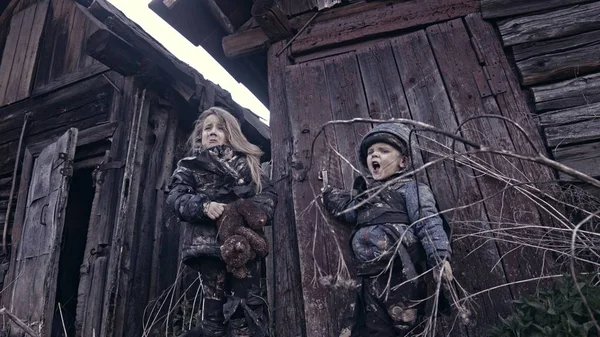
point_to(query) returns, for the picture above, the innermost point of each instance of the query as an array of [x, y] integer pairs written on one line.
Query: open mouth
[[376, 167]]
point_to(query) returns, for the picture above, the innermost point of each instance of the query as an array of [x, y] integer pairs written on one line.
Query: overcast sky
[[197, 57]]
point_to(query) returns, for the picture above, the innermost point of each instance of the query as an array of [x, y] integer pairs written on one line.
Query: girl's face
[[213, 132], [383, 160]]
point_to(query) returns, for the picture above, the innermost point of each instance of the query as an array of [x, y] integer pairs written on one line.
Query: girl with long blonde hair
[[224, 167]]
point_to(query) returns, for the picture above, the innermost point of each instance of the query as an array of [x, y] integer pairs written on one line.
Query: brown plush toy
[[241, 235]]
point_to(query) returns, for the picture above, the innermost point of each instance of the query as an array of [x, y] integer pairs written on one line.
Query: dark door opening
[[79, 207]]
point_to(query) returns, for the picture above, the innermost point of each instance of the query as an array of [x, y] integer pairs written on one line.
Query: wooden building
[[93, 115], [447, 63]]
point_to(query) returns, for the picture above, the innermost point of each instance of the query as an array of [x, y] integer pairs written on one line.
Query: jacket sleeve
[[183, 198], [337, 201], [267, 198], [428, 226]]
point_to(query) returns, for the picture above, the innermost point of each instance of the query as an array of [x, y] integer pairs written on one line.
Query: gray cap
[[397, 130]]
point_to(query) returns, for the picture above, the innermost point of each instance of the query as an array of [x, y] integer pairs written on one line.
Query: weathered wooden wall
[[555, 45], [443, 74]]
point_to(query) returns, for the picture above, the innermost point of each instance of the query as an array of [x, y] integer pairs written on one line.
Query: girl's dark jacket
[[218, 174]]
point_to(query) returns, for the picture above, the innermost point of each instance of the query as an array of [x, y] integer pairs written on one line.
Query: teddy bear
[[241, 235]]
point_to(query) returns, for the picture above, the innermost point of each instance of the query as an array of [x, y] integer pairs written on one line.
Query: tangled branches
[[497, 206]]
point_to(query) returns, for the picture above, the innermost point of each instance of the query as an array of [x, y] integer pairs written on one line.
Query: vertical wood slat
[[33, 49], [62, 22], [288, 307], [118, 280], [49, 36], [9, 54], [149, 213], [318, 253], [19, 59], [347, 101], [450, 42], [429, 102], [94, 272]]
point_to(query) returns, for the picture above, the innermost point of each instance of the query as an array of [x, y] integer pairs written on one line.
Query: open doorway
[[79, 207]]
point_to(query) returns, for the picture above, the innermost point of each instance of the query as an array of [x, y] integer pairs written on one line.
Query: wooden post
[[219, 16], [272, 19], [114, 52]]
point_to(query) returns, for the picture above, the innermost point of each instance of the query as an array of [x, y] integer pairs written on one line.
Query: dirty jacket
[[218, 174], [406, 209]]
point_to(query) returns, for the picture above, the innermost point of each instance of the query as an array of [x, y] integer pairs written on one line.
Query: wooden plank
[[76, 40], [511, 100], [524, 51], [9, 53], [245, 43], [500, 8], [570, 93], [376, 18], [348, 101], [582, 157], [32, 50], [92, 284], [96, 68], [149, 205], [554, 24], [560, 65], [52, 127], [450, 42], [68, 98], [288, 309], [34, 290], [50, 33], [571, 115], [117, 289], [573, 133], [309, 106], [384, 91], [20, 55], [17, 226], [429, 103], [62, 21]]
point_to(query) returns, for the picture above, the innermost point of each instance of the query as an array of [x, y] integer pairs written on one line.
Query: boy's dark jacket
[[218, 174], [403, 202]]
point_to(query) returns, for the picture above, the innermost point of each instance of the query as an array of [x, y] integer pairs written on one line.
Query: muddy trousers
[[395, 313], [232, 307]]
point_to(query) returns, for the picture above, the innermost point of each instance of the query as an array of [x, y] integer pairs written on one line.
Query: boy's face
[[383, 160], [213, 132]]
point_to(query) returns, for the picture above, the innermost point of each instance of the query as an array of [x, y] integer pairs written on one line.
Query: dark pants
[[232, 306], [389, 311]]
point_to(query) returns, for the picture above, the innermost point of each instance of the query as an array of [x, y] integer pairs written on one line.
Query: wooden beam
[[245, 43], [550, 25], [272, 19], [219, 16], [559, 59], [501, 8], [347, 24], [114, 52], [582, 157], [583, 90], [369, 19]]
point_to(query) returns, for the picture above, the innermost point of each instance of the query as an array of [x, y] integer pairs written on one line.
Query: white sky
[[197, 57]]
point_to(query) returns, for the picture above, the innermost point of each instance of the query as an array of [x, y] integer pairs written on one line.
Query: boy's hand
[[214, 210], [443, 270]]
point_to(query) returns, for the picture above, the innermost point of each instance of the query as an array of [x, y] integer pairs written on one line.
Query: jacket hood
[[397, 130]]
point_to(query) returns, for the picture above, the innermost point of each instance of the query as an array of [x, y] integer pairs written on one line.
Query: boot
[[239, 328]]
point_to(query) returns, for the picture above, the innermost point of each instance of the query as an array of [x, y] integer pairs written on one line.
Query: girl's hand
[[214, 210]]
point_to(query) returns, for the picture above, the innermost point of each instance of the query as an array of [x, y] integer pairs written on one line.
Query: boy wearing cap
[[390, 305]]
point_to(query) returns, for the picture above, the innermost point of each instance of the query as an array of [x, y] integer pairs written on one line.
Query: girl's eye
[[370, 151], [385, 151]]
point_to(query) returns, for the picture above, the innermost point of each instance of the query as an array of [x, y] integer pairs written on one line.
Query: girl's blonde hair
[[234, 137]]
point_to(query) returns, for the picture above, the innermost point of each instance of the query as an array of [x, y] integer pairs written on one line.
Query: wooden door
[[36, 267]]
